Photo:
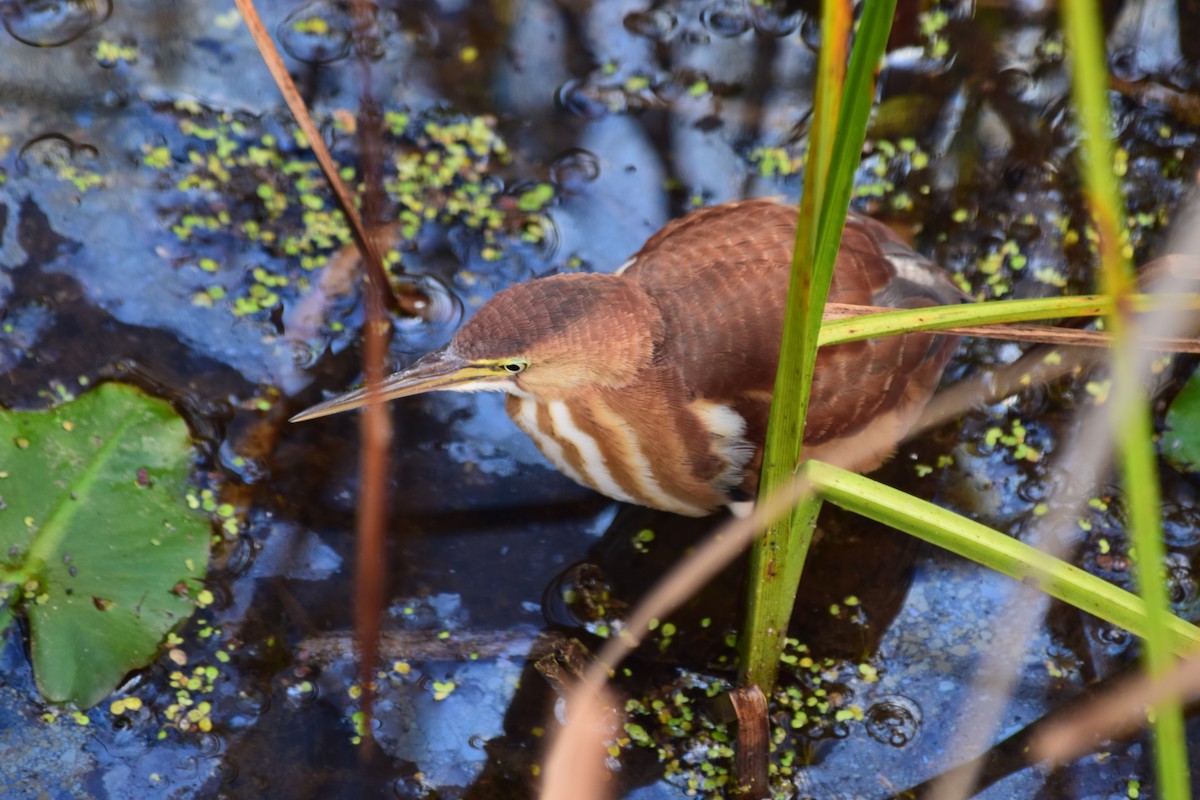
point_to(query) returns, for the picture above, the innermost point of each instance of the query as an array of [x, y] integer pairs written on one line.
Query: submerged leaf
[[96, 539]]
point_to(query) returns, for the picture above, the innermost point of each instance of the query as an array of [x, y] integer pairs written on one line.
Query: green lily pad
[[1180, 444], [96, 539]]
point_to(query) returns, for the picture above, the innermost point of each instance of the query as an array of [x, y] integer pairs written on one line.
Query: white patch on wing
[[597, 472], [728, 429], [621, 269], [721, 421], [741, 509]]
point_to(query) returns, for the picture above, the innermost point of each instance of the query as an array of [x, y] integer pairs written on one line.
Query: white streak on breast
[[647, 484], [597, 475], [526, 419]]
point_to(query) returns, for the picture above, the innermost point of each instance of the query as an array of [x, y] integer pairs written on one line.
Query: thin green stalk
[[996, 551], [995, 312], [1131, 413], [777, 558]]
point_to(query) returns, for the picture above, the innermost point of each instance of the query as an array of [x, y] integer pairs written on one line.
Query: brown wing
[[719, 276], [730, 264]]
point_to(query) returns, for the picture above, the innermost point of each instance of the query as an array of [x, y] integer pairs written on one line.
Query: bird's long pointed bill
[[437, 370]]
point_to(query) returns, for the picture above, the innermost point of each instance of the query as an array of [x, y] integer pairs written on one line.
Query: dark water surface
[[158, 224]]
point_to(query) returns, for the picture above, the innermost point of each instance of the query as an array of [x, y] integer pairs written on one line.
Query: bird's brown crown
[[574, 330]]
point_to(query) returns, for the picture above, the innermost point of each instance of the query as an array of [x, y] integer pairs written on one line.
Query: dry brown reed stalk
[[411, 301], [376, 421], [575, 768], [371, 525], [1115, 713], [753, 754]]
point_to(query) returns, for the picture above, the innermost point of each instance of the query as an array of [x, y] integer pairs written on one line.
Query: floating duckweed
[[775, 162], [890, 163], [156, 157], [83, 180], [1050, 276], [112, 53], [695, 752], [1099, 390], [932, 24], [188, 712], [638, 734], [121, 705], [1120, 162], [441, 174], [395, 122], [1014, 440], [847, 714], [536, 198]]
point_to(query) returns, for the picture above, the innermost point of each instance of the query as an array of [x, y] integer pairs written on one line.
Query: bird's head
[[547, 338]]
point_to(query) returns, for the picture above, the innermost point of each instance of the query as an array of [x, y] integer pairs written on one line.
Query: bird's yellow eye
[[514, 366]]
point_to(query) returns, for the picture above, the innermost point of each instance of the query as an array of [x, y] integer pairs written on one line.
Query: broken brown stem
[[411, 301]]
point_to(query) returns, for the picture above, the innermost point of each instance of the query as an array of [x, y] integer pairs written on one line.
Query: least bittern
[[652, 385]]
